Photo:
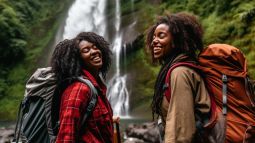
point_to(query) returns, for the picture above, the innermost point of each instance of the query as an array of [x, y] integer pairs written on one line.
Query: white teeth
[[156, 48], [96, 58]]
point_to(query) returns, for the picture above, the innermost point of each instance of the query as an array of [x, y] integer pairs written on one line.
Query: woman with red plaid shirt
[[88, 54]]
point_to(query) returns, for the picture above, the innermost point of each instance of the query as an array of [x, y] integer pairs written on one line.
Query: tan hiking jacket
[[188, 92]]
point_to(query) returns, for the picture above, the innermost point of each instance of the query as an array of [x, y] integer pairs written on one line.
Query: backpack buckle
[[224, 78], [224, 94]]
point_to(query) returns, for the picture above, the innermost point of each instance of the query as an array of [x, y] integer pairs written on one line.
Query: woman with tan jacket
[[176, 38]]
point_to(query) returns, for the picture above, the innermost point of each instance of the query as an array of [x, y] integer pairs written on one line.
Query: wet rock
[[146, 132], [133, 140], [6, 135]]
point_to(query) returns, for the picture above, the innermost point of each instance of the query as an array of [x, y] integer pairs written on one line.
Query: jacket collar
[[182, 58], [98, 84]]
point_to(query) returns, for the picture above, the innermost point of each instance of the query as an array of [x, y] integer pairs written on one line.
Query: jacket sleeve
[[187, 91], [73, 101]]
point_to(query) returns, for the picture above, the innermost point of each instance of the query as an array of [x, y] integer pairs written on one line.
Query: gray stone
[[146, 132], [6, 135]]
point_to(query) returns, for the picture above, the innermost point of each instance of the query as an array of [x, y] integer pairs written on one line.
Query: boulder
[[146, 132]]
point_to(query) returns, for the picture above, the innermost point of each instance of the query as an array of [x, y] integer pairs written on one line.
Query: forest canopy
[[26, 28], [12, 36]]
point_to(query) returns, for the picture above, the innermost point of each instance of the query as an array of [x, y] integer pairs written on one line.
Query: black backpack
[[35, 122]]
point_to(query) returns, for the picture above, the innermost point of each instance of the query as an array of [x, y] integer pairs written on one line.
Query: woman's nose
[[94, 51], [155, 41]]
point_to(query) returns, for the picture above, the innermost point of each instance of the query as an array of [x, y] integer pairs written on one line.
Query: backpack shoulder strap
[[166, 86], [93, 99]]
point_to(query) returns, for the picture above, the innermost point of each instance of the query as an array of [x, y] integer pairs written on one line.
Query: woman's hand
[[116, 119]]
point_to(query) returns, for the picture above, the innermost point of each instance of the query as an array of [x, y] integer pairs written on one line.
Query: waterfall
[[89, 15], [117, 89], [86, 15]]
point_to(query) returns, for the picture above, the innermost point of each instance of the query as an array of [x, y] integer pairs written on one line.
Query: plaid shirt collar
[[100, 85]]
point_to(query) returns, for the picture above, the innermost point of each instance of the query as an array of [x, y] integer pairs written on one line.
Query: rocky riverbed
[[134, 133]]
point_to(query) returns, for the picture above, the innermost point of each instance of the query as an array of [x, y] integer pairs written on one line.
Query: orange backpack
[[224, 70]]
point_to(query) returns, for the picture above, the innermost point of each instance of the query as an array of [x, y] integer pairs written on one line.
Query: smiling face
[[91, 56], [162, 42]]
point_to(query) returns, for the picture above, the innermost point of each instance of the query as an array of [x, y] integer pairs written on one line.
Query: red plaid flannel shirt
[[98, 127]]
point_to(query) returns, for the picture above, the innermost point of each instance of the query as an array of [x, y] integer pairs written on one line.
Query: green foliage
[[228, 21], [3, 86], [26, 26], [12, 36], [30, 10], [251, 63], [9, 107], [246, 13], [222, 6]]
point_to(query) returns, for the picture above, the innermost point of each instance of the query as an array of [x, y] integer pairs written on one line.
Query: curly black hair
[[187, 36], [186, 31], [66, 60]]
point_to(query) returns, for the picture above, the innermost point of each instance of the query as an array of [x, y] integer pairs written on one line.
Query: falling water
[[86, 15], [89, 15], [117, 90]]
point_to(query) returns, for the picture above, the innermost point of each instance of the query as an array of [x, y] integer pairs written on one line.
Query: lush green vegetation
[[26, 26], [227, 21]]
